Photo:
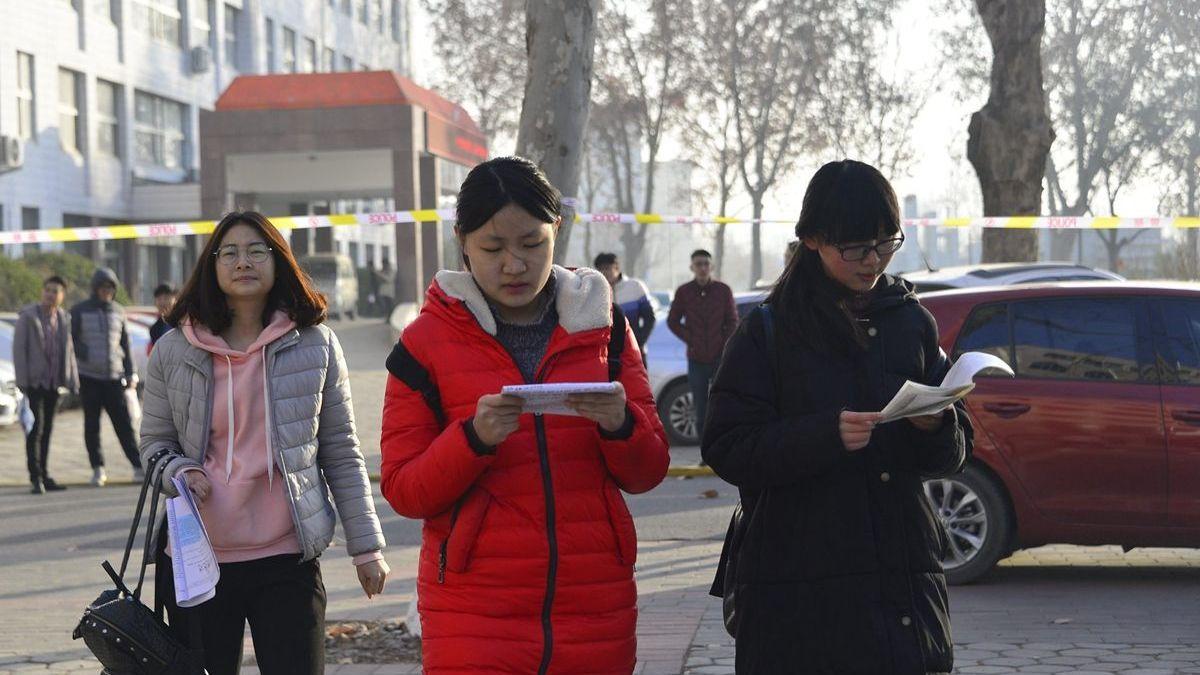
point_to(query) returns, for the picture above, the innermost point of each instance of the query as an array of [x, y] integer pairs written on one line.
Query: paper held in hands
[[193, 562], [551, 399], [915, 400]]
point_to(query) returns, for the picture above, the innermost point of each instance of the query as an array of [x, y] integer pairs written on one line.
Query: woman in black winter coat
[[837, 561]]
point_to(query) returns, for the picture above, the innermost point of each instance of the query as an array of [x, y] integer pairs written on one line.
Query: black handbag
[[126, 636]]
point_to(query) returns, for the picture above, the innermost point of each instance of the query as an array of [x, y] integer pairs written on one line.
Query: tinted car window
[[1183, 341], [1077, 339], [986, 330]]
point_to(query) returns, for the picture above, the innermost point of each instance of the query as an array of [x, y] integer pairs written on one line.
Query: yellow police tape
[[200, 227]]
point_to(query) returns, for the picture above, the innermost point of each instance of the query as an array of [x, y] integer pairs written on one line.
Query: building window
[[328, 60], [289, 50], [31, 218], [69, 92], [347, 63], [159, 131], [159, 19], [309, 62], [108, 118], [397, 23], [346, 8], [202, 18], [361, 7], [269, 29], [26, 122], [233, 22], [379, 18]]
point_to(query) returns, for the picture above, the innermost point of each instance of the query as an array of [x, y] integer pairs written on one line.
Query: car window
[[1182, 355], [323, 268], [986, 330], [1077, 339]]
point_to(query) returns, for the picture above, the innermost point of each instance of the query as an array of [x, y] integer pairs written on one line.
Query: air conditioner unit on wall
[[12, 153], [201, 59]]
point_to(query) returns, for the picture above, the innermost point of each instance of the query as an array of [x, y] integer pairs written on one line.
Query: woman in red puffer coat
[[527, 558]]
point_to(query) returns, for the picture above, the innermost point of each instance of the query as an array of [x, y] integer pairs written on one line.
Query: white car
[[1004, 274], [10, 396]]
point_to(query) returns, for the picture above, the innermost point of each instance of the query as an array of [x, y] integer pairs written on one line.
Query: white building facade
[[103, 97]]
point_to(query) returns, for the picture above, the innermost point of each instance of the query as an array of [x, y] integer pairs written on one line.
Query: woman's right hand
[[496, 417], [199, 484], [856, 428]]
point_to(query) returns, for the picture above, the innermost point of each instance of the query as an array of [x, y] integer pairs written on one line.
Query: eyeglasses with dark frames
[[882, 249]]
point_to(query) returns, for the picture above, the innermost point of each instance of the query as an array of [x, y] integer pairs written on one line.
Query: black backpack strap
[[616, 343], [409, 370]]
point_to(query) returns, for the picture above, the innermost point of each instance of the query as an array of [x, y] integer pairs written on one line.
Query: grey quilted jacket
[[314, 440]]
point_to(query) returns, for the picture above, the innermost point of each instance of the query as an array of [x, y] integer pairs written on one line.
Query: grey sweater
[[527, 342]]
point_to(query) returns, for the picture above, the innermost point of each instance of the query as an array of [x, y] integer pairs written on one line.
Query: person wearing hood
[[527, 553], [835, 563], [105, 363], [249, 401]]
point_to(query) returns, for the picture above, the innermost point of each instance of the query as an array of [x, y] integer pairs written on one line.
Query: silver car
[[335, 277]]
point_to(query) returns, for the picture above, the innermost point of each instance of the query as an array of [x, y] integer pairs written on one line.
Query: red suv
[[1097, 438]]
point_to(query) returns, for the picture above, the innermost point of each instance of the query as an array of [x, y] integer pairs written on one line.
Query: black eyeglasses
[[858, 252]]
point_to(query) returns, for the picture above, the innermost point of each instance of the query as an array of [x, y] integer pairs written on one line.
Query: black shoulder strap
[[616, 343], [409, 370]]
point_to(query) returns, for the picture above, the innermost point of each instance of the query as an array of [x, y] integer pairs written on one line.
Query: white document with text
[[551, 399], [193, 562], [915, 400]]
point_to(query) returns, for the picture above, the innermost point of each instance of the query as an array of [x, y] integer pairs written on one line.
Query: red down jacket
[[534, 573]]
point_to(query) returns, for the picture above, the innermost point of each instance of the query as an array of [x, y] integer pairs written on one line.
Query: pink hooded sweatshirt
[[247, 516]]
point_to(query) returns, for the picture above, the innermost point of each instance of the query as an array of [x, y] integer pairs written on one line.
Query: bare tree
[[1179, 104], [560, 38], [1009, 138], [483, 75], [641, 92]]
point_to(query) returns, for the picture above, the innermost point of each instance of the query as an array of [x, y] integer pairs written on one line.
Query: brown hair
[[202, 302]]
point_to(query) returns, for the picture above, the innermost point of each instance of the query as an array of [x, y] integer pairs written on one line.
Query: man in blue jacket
[[631, 295]]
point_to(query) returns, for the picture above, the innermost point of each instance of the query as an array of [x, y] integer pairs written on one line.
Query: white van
[[334, 275]]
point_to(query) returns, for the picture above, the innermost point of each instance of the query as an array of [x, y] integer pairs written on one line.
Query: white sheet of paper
[[915, 400], [551, 399], [193, 562]]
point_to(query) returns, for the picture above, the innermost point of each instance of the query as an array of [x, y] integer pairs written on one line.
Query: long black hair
[[846, 201], [501, 181]]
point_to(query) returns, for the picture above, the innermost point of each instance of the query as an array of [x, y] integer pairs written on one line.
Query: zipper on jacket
[[552, 537], [270, 356], [446, 542]]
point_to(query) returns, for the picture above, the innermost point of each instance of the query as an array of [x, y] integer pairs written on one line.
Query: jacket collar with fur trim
[[583, 298]]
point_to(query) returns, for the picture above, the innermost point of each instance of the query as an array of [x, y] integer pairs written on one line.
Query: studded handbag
[[126, 636]]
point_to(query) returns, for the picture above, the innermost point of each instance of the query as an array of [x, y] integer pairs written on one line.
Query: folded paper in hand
[[551, 399], [193, 562], [915, 400]]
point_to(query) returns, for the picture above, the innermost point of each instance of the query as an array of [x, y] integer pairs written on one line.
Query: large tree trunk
[[560, 41], [1009, 138], [756, 265]]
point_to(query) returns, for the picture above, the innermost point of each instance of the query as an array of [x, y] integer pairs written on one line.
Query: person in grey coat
[[45, 363], [101, 338], [248, 403]]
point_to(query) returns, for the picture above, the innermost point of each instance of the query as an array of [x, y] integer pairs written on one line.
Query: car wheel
[[973, 513], [678, 414]]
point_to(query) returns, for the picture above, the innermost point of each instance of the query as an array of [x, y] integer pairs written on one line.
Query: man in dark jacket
[[703, 315], [44, 362], [837, 566], [164, 300], [631, 295], [105, 361]]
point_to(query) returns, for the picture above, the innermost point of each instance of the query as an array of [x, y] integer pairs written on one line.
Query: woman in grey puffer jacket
[[248, 402]]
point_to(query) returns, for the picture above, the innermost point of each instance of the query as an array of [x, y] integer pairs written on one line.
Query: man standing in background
[[164, 300], [44, 361], [105, 362], [631, 295], [703, 315]]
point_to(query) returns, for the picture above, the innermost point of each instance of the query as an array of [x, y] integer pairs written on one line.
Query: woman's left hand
[[372, 575], [929, 423], [607, 410]]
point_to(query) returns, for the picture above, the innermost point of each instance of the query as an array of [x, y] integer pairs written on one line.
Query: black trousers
[[284, 601], [43, 403], [109, 396]]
